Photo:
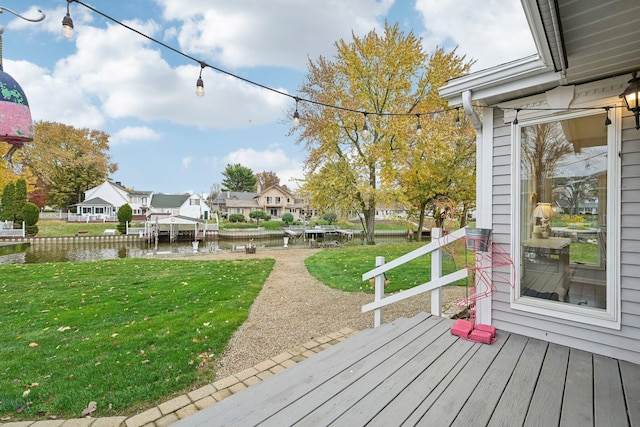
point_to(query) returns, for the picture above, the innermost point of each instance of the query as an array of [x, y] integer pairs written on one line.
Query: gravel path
[[293, 307]]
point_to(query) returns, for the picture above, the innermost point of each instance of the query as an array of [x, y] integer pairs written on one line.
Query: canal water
[[72, 251]]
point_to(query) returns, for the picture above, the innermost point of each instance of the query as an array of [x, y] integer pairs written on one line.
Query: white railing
[[434, 285], [7, 232]]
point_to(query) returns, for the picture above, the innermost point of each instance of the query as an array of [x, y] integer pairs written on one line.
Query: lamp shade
[[16, 125], [631, 97], [543, 210]]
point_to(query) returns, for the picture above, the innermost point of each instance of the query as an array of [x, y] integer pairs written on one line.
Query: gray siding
[[623, 344]]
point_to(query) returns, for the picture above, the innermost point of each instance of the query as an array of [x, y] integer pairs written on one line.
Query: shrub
[[30, 213], [31, 230], [287, 218], [330, 217], [258, 215], [236, 217], [125, 214]]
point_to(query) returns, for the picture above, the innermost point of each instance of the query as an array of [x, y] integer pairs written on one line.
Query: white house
[[548, 125], [103, 201], [186, 205]]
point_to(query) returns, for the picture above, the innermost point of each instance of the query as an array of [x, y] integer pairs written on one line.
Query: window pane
[[563, 201]]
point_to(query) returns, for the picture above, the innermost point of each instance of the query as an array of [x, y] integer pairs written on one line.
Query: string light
[[67, 24], [67, 31], [365, 128], [199, 82], [607, 122], [419, 127], [296, 115]]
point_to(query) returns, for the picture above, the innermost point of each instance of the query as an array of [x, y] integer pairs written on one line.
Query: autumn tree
[[68, 161], [6, 204], [267, 179], [383, 82], [543, 147], [238, 178]]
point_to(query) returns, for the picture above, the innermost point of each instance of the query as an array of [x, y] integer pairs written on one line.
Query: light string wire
[[298, 99]]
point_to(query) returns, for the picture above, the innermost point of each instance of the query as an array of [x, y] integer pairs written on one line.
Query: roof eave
[[514, 78]]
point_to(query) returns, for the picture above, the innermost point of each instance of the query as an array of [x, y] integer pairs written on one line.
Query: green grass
[[342, 269], [125, 333], [57, 228], [584, 252]]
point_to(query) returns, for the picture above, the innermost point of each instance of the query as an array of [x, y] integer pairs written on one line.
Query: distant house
[[102, 203], [186, 205], [274, 200]]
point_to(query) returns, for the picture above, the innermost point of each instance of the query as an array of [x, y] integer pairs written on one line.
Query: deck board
[[414, 372], [630, 375], [338, 402], [577, 403], [454, 394], [608, 395], [546, 403], [480, 405], [513, 406], [328, 399]]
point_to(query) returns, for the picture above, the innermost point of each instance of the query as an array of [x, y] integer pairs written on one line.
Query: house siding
[[623, 343]]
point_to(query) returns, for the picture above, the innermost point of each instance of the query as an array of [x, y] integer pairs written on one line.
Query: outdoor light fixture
[[419, 128], [67, 24], [631, 95], [296, 115], [607, 121], [199, 82], [365, 128]]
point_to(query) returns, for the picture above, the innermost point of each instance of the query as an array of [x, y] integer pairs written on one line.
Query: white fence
[[7, 230], [434, 285]]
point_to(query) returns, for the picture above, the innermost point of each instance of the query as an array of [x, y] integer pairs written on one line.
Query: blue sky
[[164, 138]]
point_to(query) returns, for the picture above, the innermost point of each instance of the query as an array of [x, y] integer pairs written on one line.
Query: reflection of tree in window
[[543, 146]]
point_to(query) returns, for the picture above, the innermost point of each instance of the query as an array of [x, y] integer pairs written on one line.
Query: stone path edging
[[184, 405]]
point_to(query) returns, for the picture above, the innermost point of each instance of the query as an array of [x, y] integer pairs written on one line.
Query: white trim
[[611, 317], [484, 196], [522, 74]]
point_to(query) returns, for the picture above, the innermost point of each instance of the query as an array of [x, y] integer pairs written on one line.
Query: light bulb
[[200, 87], [296, 119], [67, 27]]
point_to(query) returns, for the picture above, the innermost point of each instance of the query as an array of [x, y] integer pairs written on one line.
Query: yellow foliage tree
[[381, 81], [68, 160]]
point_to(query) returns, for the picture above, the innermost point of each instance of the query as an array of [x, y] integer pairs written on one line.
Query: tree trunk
[[421, 221]]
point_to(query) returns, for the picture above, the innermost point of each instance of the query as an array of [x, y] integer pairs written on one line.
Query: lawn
[[57, 228], [124, 333], [342, 269]]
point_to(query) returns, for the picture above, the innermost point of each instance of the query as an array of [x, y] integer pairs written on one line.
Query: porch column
[[484, 198]]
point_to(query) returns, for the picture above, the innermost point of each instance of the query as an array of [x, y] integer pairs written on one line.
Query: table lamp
[[542, 220]]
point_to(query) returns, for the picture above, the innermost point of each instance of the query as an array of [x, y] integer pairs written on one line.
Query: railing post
[[436, 273], [378, 314], [24, 229]]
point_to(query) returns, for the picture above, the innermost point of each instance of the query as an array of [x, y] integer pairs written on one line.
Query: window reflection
[[563, 203]]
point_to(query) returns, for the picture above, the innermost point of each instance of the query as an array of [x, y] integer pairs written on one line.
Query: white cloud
[[288, 169], [186, 162], [134, 133], [71, 105], [492, 31], [246, 33]]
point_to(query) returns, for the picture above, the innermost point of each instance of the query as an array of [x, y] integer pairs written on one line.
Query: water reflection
[[80, 251]]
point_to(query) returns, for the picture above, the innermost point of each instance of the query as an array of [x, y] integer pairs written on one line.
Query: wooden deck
[[414, 372]]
